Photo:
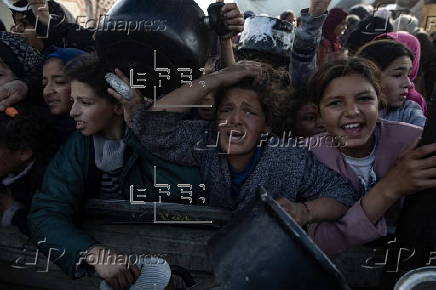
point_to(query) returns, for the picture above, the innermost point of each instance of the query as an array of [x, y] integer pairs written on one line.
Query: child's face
[[395, 81], [6, 74], [241, 121], [93, 114], [57, 90], [349, 110], [340, 29], [306, 123]]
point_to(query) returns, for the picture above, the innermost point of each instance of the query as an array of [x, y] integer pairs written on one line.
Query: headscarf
[[65, 54], [19, 55], [334, 18], [414, 45]]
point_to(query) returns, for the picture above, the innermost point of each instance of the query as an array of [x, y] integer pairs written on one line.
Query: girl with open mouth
[[380, 158]]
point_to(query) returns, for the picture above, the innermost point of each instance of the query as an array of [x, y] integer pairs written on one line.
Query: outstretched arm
[[306, 42]]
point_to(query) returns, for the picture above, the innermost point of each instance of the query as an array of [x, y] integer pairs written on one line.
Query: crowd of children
[[360, 91]]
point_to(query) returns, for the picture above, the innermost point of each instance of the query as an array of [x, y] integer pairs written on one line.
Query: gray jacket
[[410, 112], [288, 171]]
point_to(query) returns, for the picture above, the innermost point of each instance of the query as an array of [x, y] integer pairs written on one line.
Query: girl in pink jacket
[[380, 158]]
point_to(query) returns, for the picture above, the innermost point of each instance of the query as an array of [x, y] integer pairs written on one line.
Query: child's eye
[[224, 110], [250, 113], [334, 103], [309, 118], [365, 98], [85, 102]]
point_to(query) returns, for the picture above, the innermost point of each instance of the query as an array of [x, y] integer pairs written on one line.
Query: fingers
[[130, 278], [427, 184], [122, 76], [429, 162], [229, 7], [5, 103], [123, 279], [286, 204], [234, 23], [135, 271], [428, 174], [424, 151], [233, 13], [113, 282], [4, 94], [116, 95]]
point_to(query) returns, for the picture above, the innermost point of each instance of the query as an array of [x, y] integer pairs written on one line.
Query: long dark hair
[[384, 52]]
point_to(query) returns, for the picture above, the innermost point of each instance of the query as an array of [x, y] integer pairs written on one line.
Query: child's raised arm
[[181, 99]]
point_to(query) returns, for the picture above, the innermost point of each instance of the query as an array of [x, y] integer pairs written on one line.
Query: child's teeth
[[351, 126]]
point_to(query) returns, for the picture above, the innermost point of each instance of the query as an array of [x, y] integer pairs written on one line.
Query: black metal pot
[[264, 248], [162, 38]]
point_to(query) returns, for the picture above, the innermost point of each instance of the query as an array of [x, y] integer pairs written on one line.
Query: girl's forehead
[[238, 96], [404, 62], [348, 85]]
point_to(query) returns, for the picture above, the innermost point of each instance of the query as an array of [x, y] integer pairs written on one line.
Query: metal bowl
[[419, 279]]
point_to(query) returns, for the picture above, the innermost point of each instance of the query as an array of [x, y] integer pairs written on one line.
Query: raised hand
[[233, 74], [415, 170], [118, 275], [318, 7], [233, 18], [40, 10], [12, 93], [296, 210], [129, 104]]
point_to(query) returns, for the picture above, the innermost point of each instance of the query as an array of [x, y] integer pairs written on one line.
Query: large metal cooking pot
[[165, 39]]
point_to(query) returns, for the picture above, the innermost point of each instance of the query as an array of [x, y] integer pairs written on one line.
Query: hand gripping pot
[[153, 276], [267, 35], [164, 42]]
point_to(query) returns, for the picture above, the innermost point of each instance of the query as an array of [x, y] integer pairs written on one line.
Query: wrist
[[316, 12], [389, 192], [210, 81], [307, 214]]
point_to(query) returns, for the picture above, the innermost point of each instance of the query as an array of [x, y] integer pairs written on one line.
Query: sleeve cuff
[[374, 231]]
